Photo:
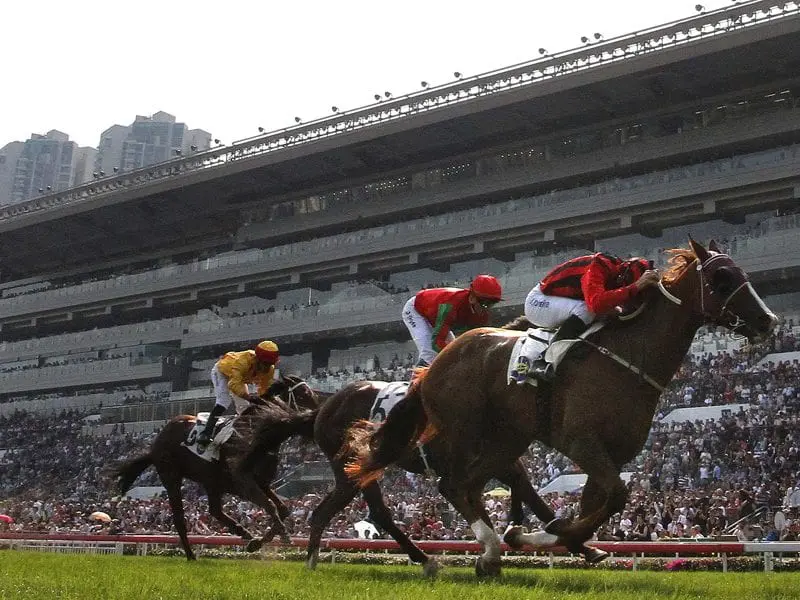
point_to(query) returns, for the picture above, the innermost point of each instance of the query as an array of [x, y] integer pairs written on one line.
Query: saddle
[[221, 434], [535, 344]]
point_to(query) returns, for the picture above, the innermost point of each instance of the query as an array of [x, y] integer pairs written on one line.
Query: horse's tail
[[128, 471], [373, 449]]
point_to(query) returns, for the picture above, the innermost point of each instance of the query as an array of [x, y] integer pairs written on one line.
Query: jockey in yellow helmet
[[231, 374]]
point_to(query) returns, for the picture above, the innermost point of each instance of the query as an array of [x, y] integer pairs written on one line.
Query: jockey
[[231, 374], [432, 314], [576, 292]]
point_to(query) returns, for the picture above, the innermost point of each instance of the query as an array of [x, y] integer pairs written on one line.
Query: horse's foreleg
[[172, 483], [332, 504], [464, 500], [283, 510], [383, 517]]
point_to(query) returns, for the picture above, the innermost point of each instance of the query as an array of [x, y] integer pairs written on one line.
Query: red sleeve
[[600, 300]]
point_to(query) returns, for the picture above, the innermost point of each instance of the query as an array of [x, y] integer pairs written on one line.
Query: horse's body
[[329, 429], [598, 412], [251, 481]]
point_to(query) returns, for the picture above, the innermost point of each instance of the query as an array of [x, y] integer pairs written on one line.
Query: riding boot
[[569, 330], [204, 439]]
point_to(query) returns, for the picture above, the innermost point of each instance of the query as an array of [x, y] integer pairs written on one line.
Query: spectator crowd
[[693, 479]]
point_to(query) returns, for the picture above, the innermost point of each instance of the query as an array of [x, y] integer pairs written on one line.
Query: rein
[[626, 363], [292, 397]]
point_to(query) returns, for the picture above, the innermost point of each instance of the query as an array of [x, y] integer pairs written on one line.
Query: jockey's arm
[[265, 379], [441, 328], [239, 378], [598, 299]]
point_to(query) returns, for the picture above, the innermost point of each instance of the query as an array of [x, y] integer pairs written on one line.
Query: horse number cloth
[[386, 400], [224, 430]]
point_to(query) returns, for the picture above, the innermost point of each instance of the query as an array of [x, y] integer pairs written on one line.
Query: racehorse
[[248, 478], [329, 425], [597, 412]]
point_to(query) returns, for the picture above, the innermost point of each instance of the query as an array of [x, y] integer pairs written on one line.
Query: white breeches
[[222, 393], [421, 332], [552, 311]]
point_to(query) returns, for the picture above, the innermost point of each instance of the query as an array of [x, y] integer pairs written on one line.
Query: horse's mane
[[678, 264]]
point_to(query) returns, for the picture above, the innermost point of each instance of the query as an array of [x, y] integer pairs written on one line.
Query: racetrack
[[89, 577]]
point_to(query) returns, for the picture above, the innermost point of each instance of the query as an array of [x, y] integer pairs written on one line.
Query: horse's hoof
[[254, 545], [512, 536], [269, 535], [594, 555], [484, 568], [285, 538], [430, 569], [191, 556], [557, 526]]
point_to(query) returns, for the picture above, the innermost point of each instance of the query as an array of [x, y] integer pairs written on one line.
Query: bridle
[[292, 402], [724, 316]]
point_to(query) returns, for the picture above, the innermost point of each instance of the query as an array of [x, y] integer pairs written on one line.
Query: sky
[[231, 67]]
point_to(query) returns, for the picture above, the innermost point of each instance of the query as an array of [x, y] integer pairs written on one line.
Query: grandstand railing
[[636, 550], [663, 37]]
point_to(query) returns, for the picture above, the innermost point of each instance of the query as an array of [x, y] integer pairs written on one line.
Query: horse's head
[[294, 392], [725, 296]]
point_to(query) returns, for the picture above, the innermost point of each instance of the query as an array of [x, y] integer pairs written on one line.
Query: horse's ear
[[712, 245], [700, 252]]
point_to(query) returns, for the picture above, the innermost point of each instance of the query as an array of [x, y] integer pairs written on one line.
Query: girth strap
[[627, 364]]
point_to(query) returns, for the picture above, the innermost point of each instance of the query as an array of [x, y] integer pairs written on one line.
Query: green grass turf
[[87, 577]]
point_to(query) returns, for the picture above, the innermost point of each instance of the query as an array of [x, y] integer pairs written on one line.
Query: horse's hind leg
[[215, 508], [383, 517], [172, 483], [250, 490], [332, 504], [283, 510]]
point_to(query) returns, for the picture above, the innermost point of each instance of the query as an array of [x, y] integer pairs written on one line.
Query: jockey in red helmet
[[433, 314], [574, 293], [232, 373]]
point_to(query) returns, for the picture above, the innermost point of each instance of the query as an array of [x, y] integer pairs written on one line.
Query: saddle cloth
[[386, 400], [530, 347], [222, 433]]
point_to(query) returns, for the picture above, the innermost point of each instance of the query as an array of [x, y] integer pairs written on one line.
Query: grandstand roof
[[197, 200]]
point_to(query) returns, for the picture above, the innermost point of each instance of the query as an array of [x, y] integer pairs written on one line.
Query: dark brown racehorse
[[232, 474], [599, 409], [329, 426]]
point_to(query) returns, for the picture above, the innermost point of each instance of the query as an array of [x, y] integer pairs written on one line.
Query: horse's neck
[[661, 336]]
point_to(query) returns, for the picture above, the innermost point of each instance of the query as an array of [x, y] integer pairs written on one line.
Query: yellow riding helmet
[[267, 352]]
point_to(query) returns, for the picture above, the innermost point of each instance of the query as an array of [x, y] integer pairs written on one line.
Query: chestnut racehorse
[[231, 474], [329, 426], [598, 411]]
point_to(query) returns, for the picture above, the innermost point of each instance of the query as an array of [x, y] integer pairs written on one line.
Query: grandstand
[[116, 296]]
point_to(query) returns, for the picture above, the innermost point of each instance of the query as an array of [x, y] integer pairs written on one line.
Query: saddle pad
[[223, 432], [386, 400]]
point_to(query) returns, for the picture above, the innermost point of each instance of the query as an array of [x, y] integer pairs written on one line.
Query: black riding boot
[[204, 439], [569, 330]]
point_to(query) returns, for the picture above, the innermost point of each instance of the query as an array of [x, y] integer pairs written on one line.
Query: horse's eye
[[722, 281]]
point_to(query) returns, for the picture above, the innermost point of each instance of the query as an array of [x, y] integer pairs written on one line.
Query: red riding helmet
[[487, 287], [267, 352]]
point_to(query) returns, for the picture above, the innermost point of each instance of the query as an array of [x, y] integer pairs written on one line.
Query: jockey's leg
[[421, 332], [222, 400], [572, 328]]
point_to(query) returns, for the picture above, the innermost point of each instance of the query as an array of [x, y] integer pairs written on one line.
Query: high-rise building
[[85, 160], [46, 163], [148, 140], [9, 154]]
